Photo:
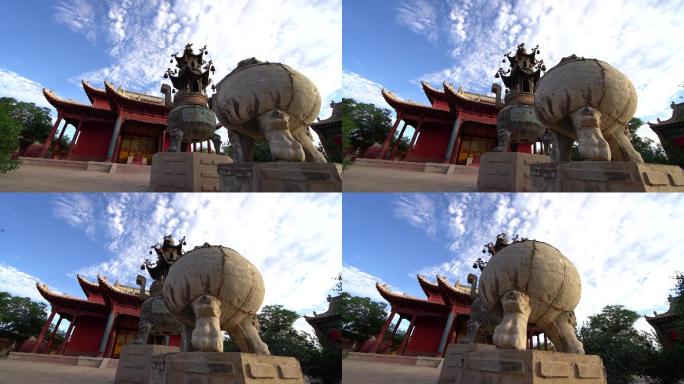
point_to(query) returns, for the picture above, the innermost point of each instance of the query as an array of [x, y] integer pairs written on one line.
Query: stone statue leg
[[143, 332], [312, 155], [275, 125], [238, 337], [566, 323], [186, 339], [250, 327], [512, 331], [504, 138], [620, 140], [207, 336], [216, 139], [243, 146], [590, 141], [561, 146]]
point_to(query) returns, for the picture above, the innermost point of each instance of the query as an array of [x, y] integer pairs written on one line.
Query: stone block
[[186, 172], [507, 171], [280, 177], [479, 363], [606, 176], [224, 368], [135, 362]]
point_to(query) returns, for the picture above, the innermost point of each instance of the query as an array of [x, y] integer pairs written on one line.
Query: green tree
[[364, 124], [262, 152], [625, 351], [35, 121], [361, 317], [650, 151], [9, 140], [20, 316]]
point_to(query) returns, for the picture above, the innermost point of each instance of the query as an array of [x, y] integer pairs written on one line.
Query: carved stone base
[[135, 362], [280, 177], [224, 368], [480, 363], [507, 171], [186, 171], [606, 176]]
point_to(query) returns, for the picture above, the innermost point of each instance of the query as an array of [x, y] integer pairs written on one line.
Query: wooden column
[[48, 141], [59, 139], [110, 344], [447, 330], [208, 146], [115, 136], [67, 336], [394, 330], [407, 336], [413, 140], [455, 141], [396, 144], [52, 335], [107, 332], [163, 141], [73, 141], [43, 331], [381, 335], [388, 139]]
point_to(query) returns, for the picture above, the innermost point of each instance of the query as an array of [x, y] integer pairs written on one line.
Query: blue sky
[[129, 42], [52, 237], [397, 44], [626, 247]]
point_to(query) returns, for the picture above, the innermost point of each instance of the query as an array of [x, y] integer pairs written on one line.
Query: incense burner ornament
[[261, 100], [531, 282], [590, 101], [190, 119], [213, 289], [516, 122]]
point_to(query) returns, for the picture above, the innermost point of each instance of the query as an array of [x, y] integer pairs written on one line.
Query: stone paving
[[378, 179], [371, 372], [38, 178], [32, 372]]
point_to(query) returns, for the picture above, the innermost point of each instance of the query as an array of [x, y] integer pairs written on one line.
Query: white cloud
[[79, 16], [419, 210], [359, 283], [293, 239], [420, 16], [304, 34], [22, 89], [18, 283], [76, 210], [363, 90]]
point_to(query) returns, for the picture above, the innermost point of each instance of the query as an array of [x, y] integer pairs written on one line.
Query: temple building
[[455, 128], [117, 126], [671, 134], [327, 324], [434, 322], [665, 324], [99, 325], [329, 131]]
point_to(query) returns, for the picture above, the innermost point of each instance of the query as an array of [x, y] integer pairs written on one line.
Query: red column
[[407, 336], [61, 134], [188, 147], [41, 335], [117, 148], [52, 335], [68, 335], [48, 141], [457, 143], [110, 344], [381, 335], [396, 144], [388, 139], [208, 146], [413, 140], [73, 141], [163, 141], [194, 147]]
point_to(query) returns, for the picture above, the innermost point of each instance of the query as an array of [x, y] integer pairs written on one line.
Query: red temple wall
[[174, 341], [96, 298], [432, 144], [440, 104], [93, 143], [86, 336], [436, 298], [101, 103], [426, 336]]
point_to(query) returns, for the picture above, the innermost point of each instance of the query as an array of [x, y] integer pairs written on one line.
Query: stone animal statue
[[592, 102], [213, 288], [480, 321], [531, 282], [261, 100], [155, 318]]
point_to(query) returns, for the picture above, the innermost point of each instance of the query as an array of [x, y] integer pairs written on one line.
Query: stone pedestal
[[224, 368], [507, 171], [280, 177], [606, 176], [186, 171], [135, 362], [479, 363]]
